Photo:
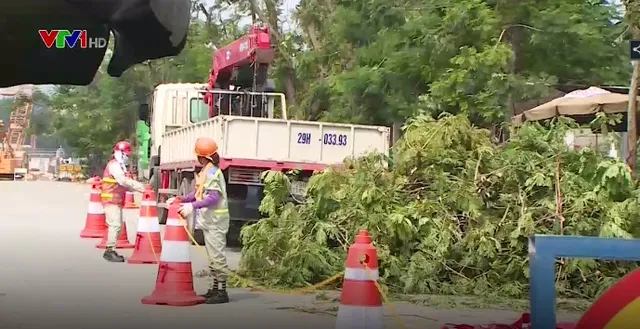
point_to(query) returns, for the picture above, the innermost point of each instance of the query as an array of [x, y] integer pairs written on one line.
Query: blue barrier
[[543, 252]]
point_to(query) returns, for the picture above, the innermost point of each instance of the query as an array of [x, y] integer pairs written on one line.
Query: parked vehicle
[[250, 124], [247, 145]]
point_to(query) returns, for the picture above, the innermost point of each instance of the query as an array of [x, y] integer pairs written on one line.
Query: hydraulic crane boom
[[242, 64]]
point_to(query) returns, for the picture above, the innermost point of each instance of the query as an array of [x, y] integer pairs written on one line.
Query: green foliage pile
[[452, 215]]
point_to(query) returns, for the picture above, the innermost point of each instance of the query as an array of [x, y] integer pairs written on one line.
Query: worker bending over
[[212, 215], [115, 184]]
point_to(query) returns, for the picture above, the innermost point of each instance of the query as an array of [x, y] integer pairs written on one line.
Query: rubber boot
[[112, 256], [221, 297]]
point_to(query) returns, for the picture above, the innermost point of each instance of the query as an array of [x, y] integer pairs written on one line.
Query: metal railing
[[248, 103]]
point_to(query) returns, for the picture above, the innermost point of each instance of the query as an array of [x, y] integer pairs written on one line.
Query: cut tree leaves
[[451, 215]]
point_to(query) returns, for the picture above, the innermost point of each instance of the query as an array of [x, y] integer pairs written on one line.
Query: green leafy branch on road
[[453, 214]]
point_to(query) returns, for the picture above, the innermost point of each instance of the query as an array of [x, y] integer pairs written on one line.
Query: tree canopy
[[376, 62]]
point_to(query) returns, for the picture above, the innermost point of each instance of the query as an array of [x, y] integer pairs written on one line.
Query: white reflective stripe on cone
[[360, 317], [175, 252], [95, 208], [148, 224], [360, 274], [148, 203], [174, 222]]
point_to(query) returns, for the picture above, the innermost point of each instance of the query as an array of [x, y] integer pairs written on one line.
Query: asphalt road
[[51, 278]]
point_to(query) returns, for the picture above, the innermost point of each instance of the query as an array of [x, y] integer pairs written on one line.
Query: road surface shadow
[[236, 297]]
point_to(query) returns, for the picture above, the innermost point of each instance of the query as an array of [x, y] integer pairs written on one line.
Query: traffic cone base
[[174, 283], [91, 233], [143, 252], [174, 286], [95, 225], [148, 245], [121, 243], [358, 317]]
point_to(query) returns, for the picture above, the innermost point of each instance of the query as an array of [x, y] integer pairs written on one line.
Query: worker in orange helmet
[[209, 203], [115, 184]]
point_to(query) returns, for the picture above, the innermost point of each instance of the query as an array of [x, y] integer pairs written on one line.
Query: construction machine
[[12, 136]]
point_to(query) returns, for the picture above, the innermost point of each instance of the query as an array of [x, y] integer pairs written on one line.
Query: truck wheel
[[184, 186], [162, 215], [198, 235], [155, 183], [233, 235], [154, 178]]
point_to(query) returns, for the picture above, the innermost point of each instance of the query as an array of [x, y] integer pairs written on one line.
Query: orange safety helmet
[[206, 147]]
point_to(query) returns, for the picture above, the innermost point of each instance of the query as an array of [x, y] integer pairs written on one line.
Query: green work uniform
[[214, 221]]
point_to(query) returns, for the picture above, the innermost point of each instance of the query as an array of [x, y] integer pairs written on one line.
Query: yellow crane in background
[[12, 136]]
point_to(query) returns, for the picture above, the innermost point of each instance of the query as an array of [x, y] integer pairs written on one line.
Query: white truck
[[247, 145]]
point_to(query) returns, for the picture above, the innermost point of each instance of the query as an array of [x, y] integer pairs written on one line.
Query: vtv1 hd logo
[[70, 39]]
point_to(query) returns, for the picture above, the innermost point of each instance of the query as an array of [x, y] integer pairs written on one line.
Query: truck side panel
[[178, 144], [277, 140], [306, 142]]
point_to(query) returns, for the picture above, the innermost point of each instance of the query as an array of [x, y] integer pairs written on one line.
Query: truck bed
[[276, 140]]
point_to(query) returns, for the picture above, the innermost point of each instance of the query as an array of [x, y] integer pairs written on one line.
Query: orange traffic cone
[[130, 201], [95, 225], [121, 243], [360, 300], [174, 283], [148, 244]]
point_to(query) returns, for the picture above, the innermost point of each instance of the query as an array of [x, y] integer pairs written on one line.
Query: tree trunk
[[290, 86], [632, 134], [632, 16], [514, 34], [270, 16]]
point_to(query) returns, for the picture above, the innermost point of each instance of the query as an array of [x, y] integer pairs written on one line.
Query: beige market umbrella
[[577, 103]]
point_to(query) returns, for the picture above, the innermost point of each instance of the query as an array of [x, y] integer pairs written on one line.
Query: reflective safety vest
[[112, 192], [213, 180]]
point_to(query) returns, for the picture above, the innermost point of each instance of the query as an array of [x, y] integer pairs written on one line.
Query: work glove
[[186, 209], [137, 186]]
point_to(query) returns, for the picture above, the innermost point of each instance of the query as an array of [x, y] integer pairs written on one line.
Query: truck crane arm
[[242, 63]]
